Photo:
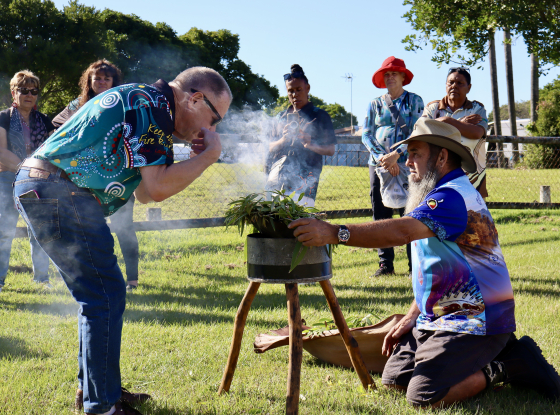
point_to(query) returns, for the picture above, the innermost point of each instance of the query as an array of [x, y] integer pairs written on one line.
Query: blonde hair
[[23, 78]]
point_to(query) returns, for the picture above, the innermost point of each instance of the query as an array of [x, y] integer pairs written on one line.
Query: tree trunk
[[511, 97], [495, 101], [534, 86]]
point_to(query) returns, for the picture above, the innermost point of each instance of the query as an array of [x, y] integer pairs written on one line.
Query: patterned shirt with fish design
[[460, 279]]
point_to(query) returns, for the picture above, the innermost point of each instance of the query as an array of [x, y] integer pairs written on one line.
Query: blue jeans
[[123, 226], [68, 223], [8, 221]]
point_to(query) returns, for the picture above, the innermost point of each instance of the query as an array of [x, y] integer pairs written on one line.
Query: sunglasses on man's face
[[216, 113], [294, 75], [25, 91]]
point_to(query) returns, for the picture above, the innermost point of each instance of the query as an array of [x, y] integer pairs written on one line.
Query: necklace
[[23, 121]]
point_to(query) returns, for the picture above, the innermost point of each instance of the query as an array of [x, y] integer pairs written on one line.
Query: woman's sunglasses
[[25, 91], [294, 75]]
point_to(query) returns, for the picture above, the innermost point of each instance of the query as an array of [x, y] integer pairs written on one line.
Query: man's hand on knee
[[406, 324]]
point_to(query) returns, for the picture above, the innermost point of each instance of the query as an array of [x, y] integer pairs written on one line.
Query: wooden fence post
[[546, 197]]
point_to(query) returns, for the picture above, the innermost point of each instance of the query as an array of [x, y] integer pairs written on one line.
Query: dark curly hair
[[295, 69], [102, 65]]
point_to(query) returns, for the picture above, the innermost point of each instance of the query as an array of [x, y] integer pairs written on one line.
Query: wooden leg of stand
[[349, 340], [239, 326], [296, 349]]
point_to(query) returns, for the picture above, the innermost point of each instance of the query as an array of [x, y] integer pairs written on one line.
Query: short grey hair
[[203, 79]]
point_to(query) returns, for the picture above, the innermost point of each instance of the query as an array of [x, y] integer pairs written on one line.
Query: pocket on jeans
[[42, 215]]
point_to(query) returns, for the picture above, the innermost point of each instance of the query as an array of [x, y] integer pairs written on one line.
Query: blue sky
[[328, 39]]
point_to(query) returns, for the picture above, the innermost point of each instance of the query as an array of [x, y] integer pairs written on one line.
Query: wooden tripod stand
[[296, 341]]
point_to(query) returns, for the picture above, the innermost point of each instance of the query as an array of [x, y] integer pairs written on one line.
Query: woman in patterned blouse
[[22, 130], [381, 131]]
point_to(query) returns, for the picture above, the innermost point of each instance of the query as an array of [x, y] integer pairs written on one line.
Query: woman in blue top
[[381, 131], [96, 79]]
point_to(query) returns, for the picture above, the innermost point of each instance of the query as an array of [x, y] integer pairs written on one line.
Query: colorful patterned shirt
[[378, 134], [102, 146], [460, 279]]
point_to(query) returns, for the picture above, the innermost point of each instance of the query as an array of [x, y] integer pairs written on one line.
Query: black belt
[[42, 169]]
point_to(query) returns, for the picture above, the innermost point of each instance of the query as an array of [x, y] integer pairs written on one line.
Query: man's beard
[[417, 190]]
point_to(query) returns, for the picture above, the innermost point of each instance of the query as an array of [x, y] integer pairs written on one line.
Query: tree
[[468, 25], [143, 51], [146, 52], [55, 45], [548, 122], [59, 45], [339, 116], [547, 125], [522, 110]]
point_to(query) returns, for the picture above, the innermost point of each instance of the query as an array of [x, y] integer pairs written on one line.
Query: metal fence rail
[[514, 181]]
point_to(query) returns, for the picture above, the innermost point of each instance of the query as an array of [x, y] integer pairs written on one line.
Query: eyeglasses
[[294, 75], [25, 91], [458, 69], [216, 113]]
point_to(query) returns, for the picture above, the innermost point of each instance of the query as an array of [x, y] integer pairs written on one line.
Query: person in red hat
[[390, 118]]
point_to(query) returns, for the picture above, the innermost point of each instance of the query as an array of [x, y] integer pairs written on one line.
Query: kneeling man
[[457, 338]]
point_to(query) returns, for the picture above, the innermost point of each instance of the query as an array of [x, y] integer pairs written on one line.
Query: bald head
[[203, 79]]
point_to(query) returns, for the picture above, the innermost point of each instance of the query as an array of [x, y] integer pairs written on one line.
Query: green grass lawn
[[178, 327], [208, 196]]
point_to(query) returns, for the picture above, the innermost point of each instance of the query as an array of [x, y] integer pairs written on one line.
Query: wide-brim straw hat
[[443, 135], [391, 64]]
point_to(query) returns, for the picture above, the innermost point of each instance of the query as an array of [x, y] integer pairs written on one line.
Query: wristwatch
[[399, 151], [343, 234]]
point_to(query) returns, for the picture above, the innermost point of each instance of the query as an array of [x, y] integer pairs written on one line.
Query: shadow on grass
[[13, 347], [206, 299], [145, 304], [20, 269], [535, 240]]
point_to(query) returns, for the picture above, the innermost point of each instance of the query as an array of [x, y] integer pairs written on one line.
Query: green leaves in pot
[[267, 216]]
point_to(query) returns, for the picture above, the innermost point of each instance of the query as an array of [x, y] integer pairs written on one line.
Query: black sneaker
[[384, 270], [530, 369]]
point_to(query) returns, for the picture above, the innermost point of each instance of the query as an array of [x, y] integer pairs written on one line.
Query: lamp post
[[350, 77]]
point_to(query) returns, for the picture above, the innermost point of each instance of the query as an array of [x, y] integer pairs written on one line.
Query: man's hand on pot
[[314, 232]]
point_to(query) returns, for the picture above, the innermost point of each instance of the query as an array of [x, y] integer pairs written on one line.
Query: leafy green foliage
[[543, 156], [255, 210], [522, 110], [59, 45], [339, 116], [326, 324], [452, 28]]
